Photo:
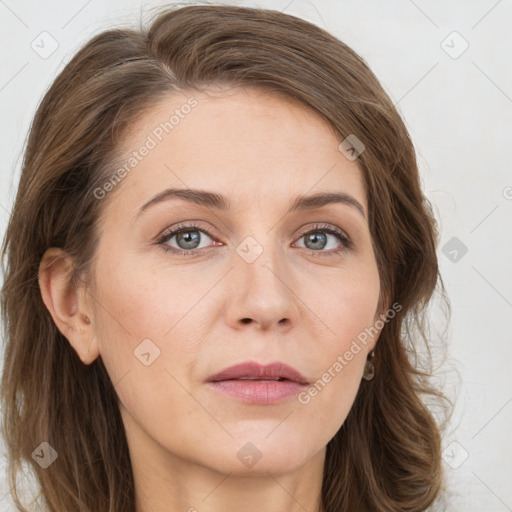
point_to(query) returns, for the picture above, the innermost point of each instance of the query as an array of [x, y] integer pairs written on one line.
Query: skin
[[305, 308]]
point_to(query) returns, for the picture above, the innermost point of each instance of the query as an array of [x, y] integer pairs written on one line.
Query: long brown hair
[[386, 457]]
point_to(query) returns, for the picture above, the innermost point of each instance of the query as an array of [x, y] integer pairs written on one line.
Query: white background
[[458, 109]]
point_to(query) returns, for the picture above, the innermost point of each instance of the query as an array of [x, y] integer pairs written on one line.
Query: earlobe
[[67, 303]]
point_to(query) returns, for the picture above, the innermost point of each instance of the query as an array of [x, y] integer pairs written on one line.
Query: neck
[[165, 482]]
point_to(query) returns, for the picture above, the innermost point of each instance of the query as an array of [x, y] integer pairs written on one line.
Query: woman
[[217, 251]]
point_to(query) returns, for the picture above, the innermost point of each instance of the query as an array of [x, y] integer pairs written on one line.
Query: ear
[[67, 303]]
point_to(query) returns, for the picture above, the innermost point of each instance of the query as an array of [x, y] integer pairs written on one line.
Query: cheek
[[141, 332], [135, 311], [143, 300], [151, 314], [347, 303], [349, 307]]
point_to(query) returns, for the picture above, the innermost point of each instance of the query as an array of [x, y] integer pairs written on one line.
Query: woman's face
[[253, 277]]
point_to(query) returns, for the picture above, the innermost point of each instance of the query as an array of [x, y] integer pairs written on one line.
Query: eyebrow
[[219, 202]]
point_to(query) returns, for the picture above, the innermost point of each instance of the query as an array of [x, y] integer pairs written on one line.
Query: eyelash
[[319, 228]]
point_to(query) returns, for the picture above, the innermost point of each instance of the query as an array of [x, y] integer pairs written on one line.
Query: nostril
[[246, 320]]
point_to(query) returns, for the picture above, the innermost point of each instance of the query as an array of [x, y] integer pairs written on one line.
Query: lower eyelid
[[166, 237], [342, 239]]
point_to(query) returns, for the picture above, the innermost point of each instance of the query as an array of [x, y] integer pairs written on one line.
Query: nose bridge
[[263, 291], [260, 261]]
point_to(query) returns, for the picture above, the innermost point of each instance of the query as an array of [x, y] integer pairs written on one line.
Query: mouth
[[256, 378], [259, 384]]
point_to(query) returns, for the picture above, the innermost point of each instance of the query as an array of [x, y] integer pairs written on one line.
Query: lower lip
[[264, 392]]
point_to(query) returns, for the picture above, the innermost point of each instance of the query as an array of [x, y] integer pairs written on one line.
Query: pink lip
[[269, 384]]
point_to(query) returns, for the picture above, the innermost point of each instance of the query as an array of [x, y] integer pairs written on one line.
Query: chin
[[279, 456], [274, 464]]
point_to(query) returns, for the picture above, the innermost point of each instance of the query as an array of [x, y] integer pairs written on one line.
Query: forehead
[[250, 145]]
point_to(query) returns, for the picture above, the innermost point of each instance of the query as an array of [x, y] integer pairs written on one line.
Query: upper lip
[[251, 369]]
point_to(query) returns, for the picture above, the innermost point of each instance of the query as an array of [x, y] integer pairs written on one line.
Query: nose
[[262, 293]]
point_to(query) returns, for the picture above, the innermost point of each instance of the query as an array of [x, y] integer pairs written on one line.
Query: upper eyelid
[[197, 226], [171, 232]]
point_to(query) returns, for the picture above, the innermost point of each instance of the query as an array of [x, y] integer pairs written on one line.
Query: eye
[[188, 239], [317, 239]]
